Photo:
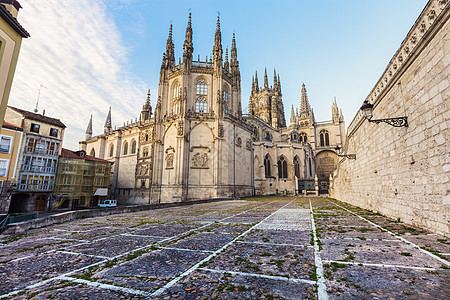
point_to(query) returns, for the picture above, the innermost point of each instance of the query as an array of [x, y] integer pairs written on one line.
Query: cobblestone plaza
[[256, 248]]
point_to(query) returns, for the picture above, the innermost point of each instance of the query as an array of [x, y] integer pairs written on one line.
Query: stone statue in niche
[[220, 130], [238, 142], [145, 151], [180, 128], [143, 170], [169, 161], [200, 160], [248, 144]]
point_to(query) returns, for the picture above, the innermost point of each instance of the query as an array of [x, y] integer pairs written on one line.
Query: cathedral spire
[[279, 84], [188, 46], [169, 55], [275, 82], [253, 84], [217, 50], [266, 82], [108, 123], [146, 112], [88, 134], [234, 61], [256, 82], [305, 109], [226, 64], [292, 115]]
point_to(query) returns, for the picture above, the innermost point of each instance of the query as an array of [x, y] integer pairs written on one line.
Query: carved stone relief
[[143, 169], [180, 128], [169, 160], [200, 161]]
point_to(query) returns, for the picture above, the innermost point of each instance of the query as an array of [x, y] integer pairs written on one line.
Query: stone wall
[[404, 172]]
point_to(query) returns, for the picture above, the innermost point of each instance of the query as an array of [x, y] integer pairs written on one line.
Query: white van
[[108, 203]]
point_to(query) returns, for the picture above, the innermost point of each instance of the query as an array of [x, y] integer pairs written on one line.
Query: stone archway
[[326, 163]]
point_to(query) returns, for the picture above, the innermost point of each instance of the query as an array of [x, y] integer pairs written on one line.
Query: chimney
[[43, 112], [12, 6]]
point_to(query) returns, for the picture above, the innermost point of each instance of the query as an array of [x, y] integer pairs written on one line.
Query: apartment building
[[38, 156]]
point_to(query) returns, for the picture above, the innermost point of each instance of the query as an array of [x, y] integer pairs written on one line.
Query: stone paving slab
[[227, 228], [114, 246], [204, 241], [287, 219], [385, 252], [15, 251], [356, 282], [243, 220], [166, 230], [431, 242], [161, 264], [293, 262], [211, 285], [19, 274], [296, 237], [62, 289]]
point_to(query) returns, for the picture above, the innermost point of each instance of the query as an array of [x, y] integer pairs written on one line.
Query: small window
[[111, 150], [143, 183], [5, 143], [133, 147], [324, 138], [3, 166], [125, 148], [267, 164], [54, 132], [282, 168], [35, 127]]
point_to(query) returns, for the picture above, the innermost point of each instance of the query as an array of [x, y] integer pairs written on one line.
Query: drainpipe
[[234, 161], [188, 162]]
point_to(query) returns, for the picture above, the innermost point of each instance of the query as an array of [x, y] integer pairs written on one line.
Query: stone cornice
[[432, 18]]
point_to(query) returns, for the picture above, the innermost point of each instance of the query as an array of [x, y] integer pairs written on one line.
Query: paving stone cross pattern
[[255, 248]]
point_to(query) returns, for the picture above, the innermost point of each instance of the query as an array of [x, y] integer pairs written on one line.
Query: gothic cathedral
[[197, 144]]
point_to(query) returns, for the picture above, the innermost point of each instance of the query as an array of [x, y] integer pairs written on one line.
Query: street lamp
[[349, 156], [367, 109]]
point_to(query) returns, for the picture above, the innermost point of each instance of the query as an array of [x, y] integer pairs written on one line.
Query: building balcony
[[38, 169], [35, 187], [41, 151]]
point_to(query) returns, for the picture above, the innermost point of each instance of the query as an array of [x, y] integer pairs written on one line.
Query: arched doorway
[[326, 163]]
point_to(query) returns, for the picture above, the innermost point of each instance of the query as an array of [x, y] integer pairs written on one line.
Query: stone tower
[[198, 125], [266, 103]]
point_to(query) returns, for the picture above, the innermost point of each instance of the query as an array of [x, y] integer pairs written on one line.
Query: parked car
[[108, 203]]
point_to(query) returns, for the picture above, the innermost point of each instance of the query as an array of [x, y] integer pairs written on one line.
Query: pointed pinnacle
[[89, 127], [266, 82]]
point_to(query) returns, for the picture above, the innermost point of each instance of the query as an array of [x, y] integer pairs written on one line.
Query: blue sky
[[92, 54]]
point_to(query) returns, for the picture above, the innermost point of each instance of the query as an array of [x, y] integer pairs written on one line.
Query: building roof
[[80, 155], [11, 126], [9, 18], [37, 117]]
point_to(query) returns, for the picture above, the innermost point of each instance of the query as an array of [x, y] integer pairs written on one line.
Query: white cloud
[[76, 51]]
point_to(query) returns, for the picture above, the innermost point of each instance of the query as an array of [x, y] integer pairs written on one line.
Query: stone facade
[[198, 145], [404, 172]]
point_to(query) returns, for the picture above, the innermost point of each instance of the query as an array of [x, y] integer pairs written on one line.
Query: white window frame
[[6, 162], [9, 144]]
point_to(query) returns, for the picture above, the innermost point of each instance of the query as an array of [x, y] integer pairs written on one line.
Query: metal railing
[[34, 187]]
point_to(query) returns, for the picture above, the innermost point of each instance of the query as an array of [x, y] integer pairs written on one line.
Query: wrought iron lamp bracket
[[396, 122]]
